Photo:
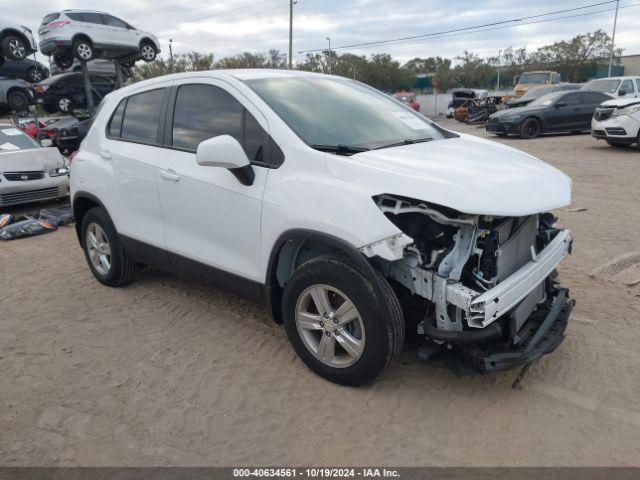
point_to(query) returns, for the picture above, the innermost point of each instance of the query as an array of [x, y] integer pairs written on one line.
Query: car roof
[[626, 77], [79, 10]]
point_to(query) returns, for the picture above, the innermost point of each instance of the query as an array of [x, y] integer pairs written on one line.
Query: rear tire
[[14, 48], [35, 75], [18, 101], [66, 104], [148, 51], [116, 269], [530, 128], [63, 60], [352, 353], [83, 50]]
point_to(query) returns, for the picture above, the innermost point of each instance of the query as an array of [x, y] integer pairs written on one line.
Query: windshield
[[535, 78], [12, 139], [339, 112], [547, 99], [604, 85]]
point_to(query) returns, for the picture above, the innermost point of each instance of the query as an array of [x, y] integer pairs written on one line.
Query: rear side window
[[50, 18], [115, 124], [141, 117]]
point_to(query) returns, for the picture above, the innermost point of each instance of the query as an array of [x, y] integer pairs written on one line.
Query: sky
[[228, 27]]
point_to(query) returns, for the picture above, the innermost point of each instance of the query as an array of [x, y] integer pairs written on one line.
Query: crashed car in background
[[617, 122], [538, 92], [460, 97], [29, 171], [409, 99], [478, 111]]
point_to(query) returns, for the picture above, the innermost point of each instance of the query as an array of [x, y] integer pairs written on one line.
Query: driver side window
[[627, 87]]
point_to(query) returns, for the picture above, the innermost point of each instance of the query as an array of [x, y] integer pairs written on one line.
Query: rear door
[[90, 23], [131, 148]]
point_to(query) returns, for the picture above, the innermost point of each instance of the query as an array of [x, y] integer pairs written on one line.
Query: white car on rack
[[352, 216], [16, 42], [618, 122], [85, 35]]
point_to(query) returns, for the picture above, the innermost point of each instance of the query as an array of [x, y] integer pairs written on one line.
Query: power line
[[426, 35]]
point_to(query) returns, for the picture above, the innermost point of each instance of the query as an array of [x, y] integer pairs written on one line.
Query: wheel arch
[[82, 203], [15, 33], [144, 40], [541, 121], [81, 36], [296, 246]]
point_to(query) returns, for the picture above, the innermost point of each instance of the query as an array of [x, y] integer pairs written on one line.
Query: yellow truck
[[529, 80]]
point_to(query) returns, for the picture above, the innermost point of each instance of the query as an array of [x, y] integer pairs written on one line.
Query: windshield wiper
[[406, 141], [340, 149]]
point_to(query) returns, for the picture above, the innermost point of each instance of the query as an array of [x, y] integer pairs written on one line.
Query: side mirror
[[622, 93], [561, 104], [224, 151], [46, 142]]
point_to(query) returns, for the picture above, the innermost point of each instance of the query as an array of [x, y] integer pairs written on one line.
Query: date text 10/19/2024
[[315, 473]]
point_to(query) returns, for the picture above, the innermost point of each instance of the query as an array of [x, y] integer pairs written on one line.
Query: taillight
[[59, 23]]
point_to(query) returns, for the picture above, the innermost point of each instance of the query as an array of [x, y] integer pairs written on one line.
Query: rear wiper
[[407, 141], [340, 149]]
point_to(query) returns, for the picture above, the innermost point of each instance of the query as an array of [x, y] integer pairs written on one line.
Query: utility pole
[[171, 55], [329, 55], [613, 37], [498, 81], [291, 4]]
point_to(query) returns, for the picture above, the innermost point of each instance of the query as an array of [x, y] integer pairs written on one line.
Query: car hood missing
[[468, 174]]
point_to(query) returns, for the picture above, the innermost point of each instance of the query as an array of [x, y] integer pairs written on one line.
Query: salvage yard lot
[[172, 372]]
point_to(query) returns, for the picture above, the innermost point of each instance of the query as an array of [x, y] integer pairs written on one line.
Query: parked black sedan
[[65, 92], [554, 112], [26, 69]]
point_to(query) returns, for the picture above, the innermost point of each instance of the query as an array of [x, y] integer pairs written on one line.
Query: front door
[[565, 114], [123, 37], [211, 218]]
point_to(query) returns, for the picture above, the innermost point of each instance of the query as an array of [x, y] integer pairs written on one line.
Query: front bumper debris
[[541, 334]]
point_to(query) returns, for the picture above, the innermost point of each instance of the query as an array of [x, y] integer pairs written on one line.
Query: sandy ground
[[172, 372]]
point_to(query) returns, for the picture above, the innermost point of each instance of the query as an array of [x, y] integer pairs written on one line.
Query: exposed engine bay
[[487, 283]]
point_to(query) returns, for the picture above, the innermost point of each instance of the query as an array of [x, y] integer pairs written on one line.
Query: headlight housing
[[630, 110], [59, 172]]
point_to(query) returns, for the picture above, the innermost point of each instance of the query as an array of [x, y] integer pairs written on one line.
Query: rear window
[[13, 139], [141, 116], [50, 18]]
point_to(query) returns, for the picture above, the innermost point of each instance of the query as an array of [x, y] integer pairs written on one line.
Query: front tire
[[108, 261], [530, 128], [66, 104], [337, 324], [35, 75], [14, 48]]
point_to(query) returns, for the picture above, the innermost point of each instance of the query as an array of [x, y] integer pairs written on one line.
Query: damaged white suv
[[352, 216]]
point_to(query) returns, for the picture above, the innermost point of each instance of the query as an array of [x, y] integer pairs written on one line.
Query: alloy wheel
[[148, 53], [64, 104], [98, 248], [330, 326], [17, 49], [84, 51]]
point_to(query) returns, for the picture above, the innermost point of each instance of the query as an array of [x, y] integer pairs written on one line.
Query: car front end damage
[[480, 289]]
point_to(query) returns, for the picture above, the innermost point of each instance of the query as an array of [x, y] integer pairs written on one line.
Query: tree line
[[576, 60]]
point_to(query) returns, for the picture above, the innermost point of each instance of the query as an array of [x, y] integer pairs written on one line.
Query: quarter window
[[115, 124], [141, 116]]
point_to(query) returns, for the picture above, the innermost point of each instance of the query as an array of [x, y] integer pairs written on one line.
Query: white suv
[[85, 35], [351, 215], [16, 42], [618, 121]]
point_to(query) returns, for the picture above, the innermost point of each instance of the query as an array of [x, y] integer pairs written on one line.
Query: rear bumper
[[52, 45]]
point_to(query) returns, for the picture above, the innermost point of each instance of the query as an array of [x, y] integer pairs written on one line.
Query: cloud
[[233, 26]]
